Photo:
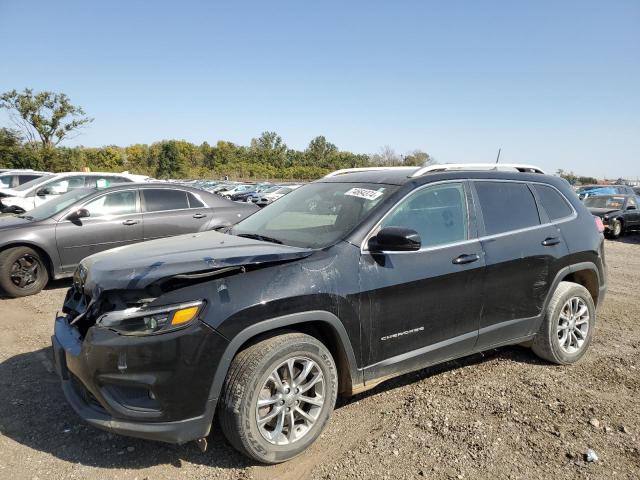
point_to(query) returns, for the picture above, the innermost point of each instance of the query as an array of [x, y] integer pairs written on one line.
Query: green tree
[[10, 145], [269, 148], [170, 161], [418, 158], [319, 152], [45, 118], [568, 176]]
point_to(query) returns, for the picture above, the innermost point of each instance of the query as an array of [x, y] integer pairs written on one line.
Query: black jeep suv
[[342, 284]]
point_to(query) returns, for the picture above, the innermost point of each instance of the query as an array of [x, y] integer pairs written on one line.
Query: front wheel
[[278, 396], [567, 329], [615, 229], [22, 272]]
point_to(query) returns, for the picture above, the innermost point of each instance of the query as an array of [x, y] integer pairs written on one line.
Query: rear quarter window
[[553, 202], [506, 206], [162, 199]]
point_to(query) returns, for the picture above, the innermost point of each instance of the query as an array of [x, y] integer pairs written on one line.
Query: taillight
[[599, 224]]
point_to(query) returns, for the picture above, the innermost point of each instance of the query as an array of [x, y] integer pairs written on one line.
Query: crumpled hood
[[137, 266], [599, 212]]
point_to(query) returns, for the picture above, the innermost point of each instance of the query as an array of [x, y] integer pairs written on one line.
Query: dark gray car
[[50, 240]]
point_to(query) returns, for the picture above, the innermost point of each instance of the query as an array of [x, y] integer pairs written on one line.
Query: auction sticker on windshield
[[363, 193]]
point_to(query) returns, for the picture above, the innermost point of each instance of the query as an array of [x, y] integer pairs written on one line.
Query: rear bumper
[[110, 394]]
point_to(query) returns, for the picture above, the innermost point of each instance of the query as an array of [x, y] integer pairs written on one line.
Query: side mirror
[[43, 191], [631, 207], [395, 239], [78, 214]]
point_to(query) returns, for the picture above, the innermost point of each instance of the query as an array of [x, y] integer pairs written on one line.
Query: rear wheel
[[278, 396], [566, 332], [22, 271]]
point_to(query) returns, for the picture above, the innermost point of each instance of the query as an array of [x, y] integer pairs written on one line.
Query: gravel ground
[[503, 414]]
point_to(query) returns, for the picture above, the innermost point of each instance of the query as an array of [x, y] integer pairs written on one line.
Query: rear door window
[[161, 199], [506, 206], [553, 202]]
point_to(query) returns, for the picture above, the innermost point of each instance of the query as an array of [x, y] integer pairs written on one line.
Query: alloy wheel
[[290, 401], [573, 325], [25, 271]]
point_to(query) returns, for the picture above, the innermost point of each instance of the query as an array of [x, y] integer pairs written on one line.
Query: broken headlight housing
[[149, 321]]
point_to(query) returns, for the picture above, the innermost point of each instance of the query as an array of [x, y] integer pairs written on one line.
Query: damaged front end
[[132, 348]]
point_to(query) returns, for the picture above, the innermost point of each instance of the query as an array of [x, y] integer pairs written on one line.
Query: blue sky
[[553, 83]]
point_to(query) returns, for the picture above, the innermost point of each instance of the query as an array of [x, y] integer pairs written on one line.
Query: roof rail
[[366, 169], [477, 166]]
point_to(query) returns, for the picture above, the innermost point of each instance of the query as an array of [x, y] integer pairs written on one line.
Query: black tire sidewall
[[252, 438], [9, 257], [552, 334]]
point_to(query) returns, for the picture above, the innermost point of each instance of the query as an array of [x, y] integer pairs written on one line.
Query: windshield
[[33, 183], [605, 202], [57, 205], [316, 215]]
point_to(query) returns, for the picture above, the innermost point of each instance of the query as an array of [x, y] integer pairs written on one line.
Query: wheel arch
[[585, 274], [322, 325]]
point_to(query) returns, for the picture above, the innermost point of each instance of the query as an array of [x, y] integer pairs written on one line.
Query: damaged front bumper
[[154, 387]]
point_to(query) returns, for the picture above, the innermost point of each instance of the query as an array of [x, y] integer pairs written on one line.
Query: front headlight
[[147, 321]]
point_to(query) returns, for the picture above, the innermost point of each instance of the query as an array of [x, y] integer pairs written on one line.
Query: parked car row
[[260, 194], [76, 215], [617, 206]]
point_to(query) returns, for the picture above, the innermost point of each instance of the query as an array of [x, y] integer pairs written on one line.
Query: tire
[[22, 264], [616, 229], [249, 379], [553, 341]]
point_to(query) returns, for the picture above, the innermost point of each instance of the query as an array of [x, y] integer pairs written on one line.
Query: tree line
[[42, 120]]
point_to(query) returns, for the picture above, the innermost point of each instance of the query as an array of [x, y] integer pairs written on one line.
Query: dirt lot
[[500, 415]]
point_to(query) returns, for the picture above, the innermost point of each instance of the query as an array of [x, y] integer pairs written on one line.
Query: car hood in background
[[599, 212], [8, 192], [139, 265]]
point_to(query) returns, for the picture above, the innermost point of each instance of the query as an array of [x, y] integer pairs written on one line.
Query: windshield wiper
[[26, 217], [256, 236]]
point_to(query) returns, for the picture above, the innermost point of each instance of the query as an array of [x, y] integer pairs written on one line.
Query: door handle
[[465, 258], [199, 215], [547, 242], [130, 222]]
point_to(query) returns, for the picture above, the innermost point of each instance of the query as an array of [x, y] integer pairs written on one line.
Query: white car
[[237, 189], [32, 194], [13, 178], [271, 197]]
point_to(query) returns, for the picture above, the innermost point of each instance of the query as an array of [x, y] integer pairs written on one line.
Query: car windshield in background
[[315, 215], [57, 205], [604, 202], [36, 181]]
